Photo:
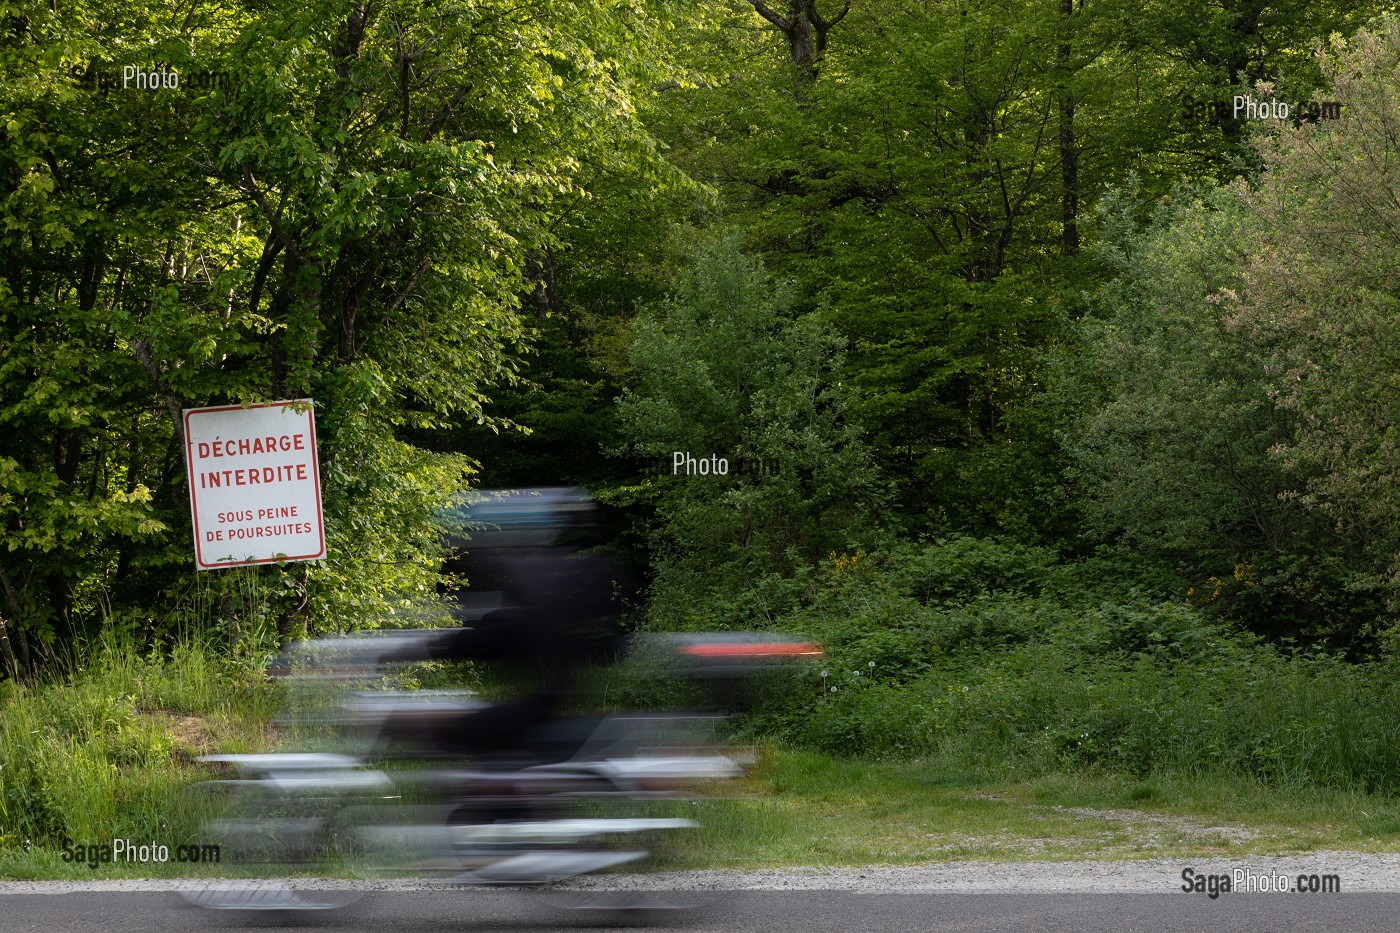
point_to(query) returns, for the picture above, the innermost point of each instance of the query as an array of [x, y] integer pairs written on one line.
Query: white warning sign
[[255, 484]]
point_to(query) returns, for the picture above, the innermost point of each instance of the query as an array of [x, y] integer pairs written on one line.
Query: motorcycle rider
[[560, 607]]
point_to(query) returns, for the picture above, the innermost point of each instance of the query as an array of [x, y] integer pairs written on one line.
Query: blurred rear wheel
[[264, 842]]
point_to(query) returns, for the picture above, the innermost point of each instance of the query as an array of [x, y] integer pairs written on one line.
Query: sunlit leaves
[[342, 209]]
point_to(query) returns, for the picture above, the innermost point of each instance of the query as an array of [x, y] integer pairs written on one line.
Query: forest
[[1049, 345]]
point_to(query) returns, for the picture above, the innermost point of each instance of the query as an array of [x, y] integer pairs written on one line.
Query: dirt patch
[[1130, 833], [1185, 825], [194, 735], [1138, 832]]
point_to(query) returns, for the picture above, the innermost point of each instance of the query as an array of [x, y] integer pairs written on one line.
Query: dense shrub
[[727, 367], [1014, 671]]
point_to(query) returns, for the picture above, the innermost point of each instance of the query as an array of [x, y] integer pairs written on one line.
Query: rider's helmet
[[515, 518]]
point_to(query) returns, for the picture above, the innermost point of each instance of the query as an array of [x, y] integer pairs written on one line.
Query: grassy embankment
[[108, 751], [1005, 725]]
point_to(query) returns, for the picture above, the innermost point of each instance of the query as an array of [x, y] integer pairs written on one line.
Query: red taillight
[[756, 650]]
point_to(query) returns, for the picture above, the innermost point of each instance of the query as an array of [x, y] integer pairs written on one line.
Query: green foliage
[[723, 368], [348, 213], [960, 567], [1161, 353], [930, 192], [1321, 300], [879, 193], [1227, 392], [1003, 679], [1176, 427]]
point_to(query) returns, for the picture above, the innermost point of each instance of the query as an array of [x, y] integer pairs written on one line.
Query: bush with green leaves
[[1021, 673], [349, 215], [1181, 421], [724, 367]]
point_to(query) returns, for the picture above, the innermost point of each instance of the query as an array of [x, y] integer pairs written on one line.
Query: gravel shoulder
[[1359, 873]]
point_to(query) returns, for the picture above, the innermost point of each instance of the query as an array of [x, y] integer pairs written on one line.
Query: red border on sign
[[315, 459]]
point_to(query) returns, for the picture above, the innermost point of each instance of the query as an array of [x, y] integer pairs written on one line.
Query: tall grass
[[106, 751], [1018, 673], [1305, 721]]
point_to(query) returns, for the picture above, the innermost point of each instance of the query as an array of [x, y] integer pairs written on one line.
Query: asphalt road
[[731, 912]]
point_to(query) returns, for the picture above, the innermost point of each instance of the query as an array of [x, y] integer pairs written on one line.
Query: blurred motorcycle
[[564, 799], [442, 786]]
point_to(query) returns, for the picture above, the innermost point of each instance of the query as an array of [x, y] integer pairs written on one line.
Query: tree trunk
[[805, 30], [546, 293], [1069, 145]]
